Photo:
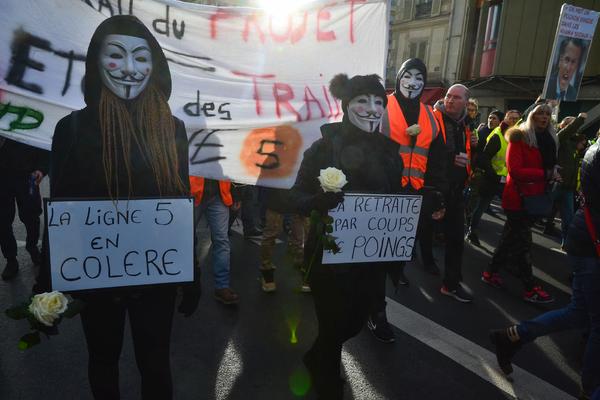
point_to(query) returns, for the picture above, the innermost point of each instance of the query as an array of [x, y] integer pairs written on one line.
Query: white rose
[[413, 130], [47, 307], [332, 180]]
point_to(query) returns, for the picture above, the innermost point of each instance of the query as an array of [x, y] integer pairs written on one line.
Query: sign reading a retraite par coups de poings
[[96, 244], [374, 228]]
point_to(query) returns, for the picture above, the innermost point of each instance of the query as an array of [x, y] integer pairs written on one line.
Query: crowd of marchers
[[384, 144]]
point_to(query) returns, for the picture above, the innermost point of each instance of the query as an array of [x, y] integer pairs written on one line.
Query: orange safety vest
[[197, 189], [414, 158], [440, 120]]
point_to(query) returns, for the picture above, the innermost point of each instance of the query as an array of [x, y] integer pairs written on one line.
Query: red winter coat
[[525, 171]]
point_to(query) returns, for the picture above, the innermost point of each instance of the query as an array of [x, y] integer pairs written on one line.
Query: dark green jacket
[[566, 153]]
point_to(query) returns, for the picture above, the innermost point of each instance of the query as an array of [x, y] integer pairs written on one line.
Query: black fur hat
[[346, 89]]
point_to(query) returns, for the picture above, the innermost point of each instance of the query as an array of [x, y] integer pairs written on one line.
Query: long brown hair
[[147, 123]]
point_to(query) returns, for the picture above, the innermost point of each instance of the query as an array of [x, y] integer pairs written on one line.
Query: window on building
[[445, 6], [418, 49], [492, 28], [405, 10], [423, 8]]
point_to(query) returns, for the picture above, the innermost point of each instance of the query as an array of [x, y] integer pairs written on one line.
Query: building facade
[[434, 31], [512, 47]]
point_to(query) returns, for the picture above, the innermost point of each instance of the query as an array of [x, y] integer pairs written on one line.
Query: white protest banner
[[251, 87], [374, 228], [572, 44], [101, 244]]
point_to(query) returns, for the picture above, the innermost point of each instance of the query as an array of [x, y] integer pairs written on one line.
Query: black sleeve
[[570, 130], [530, 109], [62, 140], [41, 160], [181, 143], [397, 168], [436, 175], [489, 151], [307, 186]]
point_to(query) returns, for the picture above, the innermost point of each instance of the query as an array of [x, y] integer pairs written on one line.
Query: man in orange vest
[[412, 124], [451, 114], [213, 199]]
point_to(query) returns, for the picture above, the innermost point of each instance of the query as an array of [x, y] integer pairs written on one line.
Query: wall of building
[[434, 30], [527, 30]]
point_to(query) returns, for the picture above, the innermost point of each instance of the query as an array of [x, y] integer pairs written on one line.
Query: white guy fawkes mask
[[125, 64], [365, 112], [411, 83]]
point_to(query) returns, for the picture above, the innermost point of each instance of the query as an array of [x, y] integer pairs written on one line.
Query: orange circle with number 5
[[271, 152]]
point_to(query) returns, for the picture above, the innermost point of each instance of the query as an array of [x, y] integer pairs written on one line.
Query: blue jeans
[[582, 312], [566, 201], [217, 216]]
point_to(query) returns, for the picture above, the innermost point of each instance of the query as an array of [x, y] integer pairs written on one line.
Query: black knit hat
[[499, 114], [346, 89], [409, 64]]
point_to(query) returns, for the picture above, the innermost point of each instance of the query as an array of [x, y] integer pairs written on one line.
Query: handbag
[[538, 205]]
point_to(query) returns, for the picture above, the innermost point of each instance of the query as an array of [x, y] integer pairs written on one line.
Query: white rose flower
[[413, 130], [332, 180], [47, 307]]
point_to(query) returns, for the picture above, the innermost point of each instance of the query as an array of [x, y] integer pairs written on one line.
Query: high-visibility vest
[[414, 158], [440, 119], [197, 189], [499, 159]]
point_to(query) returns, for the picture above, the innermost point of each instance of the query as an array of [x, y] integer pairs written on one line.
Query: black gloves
[[325, 201], [191, 295]]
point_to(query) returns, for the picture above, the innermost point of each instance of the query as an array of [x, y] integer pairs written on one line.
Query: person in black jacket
[[460, 150], [125, 143], [343, 293], [584, 309], [22, 168], [423, 157]]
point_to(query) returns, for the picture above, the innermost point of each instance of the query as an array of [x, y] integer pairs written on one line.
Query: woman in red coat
[[530, 159]]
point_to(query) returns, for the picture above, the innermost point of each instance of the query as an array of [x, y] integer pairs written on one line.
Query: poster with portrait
[[572, 44]]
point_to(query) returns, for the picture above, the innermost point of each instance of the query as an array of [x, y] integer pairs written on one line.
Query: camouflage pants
[[272, 230]]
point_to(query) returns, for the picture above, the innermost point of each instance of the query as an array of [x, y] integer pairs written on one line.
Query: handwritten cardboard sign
[[374, 228], [100, 244]]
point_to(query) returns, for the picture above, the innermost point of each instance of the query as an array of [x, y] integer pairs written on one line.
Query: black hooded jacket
[[435, 174], [76, 168], [369, 160]]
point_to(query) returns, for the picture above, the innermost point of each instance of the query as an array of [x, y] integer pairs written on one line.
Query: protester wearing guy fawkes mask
[[411, 123], [343, 293], [124, 143]]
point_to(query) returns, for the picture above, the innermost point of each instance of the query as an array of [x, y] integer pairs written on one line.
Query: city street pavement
[[253, 351]]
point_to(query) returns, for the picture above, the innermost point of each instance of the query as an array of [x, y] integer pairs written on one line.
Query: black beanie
[[410, 64], [346, 89], [498, 114]]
